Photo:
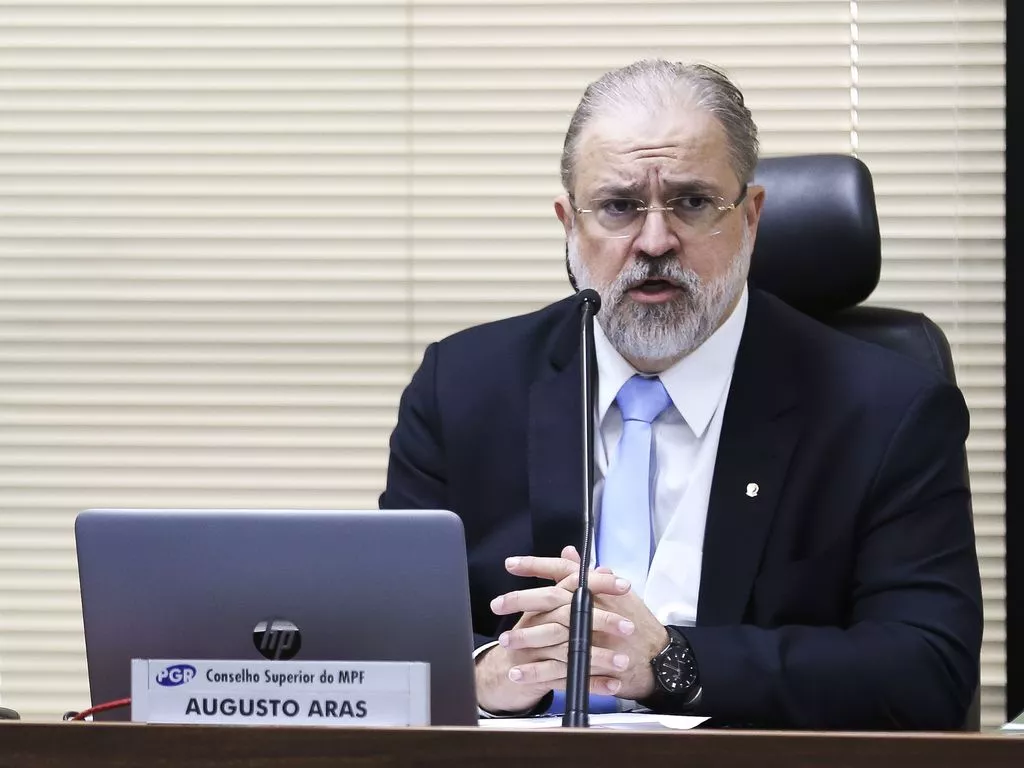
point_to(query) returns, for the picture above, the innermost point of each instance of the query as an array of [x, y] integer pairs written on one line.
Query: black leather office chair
[[818, 249]]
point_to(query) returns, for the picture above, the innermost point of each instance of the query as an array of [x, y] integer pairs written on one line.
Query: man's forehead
[[686, 144]]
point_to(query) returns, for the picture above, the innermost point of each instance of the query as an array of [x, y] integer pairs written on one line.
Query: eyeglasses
[[625, 216]]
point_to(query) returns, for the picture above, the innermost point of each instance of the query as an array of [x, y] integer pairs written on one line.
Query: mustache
[[667, 270]]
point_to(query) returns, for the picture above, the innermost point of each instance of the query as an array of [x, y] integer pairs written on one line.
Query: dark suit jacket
[[845, 594]]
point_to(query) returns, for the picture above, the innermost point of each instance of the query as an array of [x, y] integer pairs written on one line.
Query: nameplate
[[330, 693]]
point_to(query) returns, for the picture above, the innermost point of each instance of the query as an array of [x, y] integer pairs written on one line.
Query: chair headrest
[[818, 247]]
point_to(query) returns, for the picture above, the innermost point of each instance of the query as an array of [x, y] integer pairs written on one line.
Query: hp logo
[[277, 639], [176, 674]]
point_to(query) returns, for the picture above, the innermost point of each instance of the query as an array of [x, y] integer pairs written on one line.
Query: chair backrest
[[818, 249]]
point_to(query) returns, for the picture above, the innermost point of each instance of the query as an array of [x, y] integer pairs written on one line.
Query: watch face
[[675, 669]]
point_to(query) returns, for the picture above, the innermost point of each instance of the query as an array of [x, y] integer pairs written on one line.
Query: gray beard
[[673, 329]]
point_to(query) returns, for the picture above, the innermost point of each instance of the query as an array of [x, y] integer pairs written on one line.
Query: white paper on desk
[[615, 721], [1015, 726]]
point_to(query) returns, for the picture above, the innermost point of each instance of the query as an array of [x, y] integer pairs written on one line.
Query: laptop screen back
[[357, 585]]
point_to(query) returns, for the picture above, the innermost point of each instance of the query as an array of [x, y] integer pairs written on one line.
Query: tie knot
[[642, 399]]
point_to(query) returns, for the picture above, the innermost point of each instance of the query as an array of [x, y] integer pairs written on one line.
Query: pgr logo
[[277, 639], [176, 674]]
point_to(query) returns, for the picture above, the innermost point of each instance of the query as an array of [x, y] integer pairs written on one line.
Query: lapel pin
[[752, 489]]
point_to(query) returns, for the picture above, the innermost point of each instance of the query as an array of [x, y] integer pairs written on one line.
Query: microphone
[[581, 617]]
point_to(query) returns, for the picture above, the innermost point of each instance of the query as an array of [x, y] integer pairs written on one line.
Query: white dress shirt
[[685, 439]]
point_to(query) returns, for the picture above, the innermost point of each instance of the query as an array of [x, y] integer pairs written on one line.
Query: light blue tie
[[624, 534]]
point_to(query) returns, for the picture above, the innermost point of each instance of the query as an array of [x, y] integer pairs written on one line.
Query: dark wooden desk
[[83, 745]]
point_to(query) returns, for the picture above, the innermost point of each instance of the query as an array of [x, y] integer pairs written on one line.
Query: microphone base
[[576, 720]]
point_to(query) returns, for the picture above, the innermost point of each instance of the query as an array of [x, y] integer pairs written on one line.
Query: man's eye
[[619, 206], [692, 204]]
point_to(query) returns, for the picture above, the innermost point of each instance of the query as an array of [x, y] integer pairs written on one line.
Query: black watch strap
[[677, 652]]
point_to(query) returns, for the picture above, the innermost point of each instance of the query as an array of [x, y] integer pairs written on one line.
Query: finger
[[536, 672], [559, 615], [539, 599], [548, 636], [599, 583], [612, 623], [570, 553], [551, 568], [541, 636], [605, 686], [570, 581], [608, 622], [603, 569], [608, 584], [608, 662]]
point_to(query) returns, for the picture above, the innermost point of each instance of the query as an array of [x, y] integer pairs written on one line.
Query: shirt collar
[[695, 383]]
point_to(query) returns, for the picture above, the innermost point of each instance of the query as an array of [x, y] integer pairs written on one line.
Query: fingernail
[[515, 674], [497, 602], [512, 562], [626, 627], [613, 686], [503, 639], [622, 585], [620, 660]]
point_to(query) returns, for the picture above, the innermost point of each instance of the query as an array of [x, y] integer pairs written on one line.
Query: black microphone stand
[[577, 683]]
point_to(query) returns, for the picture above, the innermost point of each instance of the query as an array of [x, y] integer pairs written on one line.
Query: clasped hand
[[530, 658]]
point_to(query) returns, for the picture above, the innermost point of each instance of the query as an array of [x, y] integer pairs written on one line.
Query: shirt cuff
[[540, 708], [483, 649]]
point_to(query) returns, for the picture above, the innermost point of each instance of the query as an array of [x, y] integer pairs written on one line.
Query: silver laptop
[[247, 584]]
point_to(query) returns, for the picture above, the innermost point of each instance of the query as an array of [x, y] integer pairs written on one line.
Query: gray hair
[[655, 83]]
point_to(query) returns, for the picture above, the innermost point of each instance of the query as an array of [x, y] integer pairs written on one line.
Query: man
[[784, 533]]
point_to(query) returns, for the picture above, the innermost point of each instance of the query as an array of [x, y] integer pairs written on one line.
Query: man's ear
[[752, 210], [564, 212]]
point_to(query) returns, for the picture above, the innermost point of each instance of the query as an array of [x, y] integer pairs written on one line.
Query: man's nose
[[657, 237]]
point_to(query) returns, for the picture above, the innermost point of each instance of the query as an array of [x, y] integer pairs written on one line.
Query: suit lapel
[[759, 431], [555, 463]]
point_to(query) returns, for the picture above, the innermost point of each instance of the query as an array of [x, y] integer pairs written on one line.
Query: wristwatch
[[675, 671]]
